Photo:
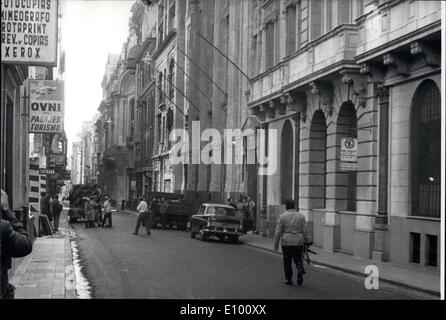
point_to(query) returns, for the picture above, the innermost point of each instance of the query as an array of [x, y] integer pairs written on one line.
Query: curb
[[70, 293], [353, 272]]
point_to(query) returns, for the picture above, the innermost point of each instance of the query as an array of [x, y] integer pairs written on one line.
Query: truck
[[178, 213], [80, 194]]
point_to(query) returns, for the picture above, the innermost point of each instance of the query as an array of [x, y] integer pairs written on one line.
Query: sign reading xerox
[[29, 32], [46, 106]]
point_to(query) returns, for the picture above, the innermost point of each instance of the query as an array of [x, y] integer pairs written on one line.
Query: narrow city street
[[169, 264]]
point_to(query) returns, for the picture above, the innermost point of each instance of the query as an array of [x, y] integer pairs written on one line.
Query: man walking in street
[[292, 229], [57, 209], [107, 213], [143, 216]]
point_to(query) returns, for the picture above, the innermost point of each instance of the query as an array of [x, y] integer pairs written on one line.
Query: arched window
[[426, 150], [171, 78], [347, 127], [286, 164], [318, 160]]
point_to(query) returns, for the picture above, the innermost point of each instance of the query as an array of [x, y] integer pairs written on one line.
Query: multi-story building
[[320, 76], [365, 70], [169, 99]]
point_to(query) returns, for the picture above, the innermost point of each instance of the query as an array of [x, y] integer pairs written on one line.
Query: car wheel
[[203, 236], [234, 239], [221, 238]]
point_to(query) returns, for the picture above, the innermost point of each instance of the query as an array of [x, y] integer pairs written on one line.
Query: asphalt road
[[169, 264]]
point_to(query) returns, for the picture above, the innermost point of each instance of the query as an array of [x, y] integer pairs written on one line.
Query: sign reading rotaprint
[[46, 106], [349, 154], [29, 31]]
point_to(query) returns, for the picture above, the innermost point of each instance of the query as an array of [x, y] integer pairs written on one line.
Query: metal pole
[[199, 68], [219, 51], [196, 85], [170, 81]]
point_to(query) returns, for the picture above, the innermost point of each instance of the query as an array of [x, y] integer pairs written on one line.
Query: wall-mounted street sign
[[46, 171], [56, 159], [349, 154], [46, 106], [29, 32]]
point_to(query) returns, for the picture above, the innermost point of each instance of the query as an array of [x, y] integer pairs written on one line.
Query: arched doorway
[[318, 157], [347, 128], [426, 150], [286, 162]]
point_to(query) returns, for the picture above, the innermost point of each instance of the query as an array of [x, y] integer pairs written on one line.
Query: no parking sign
[[349, 154]]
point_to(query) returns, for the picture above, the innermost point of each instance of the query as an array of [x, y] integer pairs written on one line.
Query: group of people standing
[[147, 212], [52, 208], [97, 213], [247, 207]]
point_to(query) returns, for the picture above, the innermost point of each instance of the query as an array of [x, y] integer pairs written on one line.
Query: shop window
[[426, 151], [431, 252], [415, 245]]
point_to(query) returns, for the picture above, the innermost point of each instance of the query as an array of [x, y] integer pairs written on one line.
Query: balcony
[[321, 57], [403, 21]]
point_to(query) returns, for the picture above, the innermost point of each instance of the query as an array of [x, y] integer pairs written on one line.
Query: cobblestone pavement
[[48, 272]]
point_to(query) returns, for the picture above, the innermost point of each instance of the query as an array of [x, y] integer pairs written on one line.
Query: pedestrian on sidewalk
[[143, 216], [45, 205], [252, 214], [292, 230], [107, 213], [163, 211], [57, 209], [90, 208], [14, 243]]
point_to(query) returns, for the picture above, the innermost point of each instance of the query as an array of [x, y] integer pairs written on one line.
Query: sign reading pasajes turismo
[[349, 154], [46, 106], [29, 32]]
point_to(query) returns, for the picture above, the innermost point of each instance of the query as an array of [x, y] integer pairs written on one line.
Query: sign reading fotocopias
[[46, 106], [29, 31]]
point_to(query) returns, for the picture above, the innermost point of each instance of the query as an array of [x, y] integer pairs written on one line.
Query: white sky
[[90, 30]]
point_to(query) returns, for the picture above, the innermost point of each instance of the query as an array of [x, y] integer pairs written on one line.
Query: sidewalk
[[48, 272], [425, 281]]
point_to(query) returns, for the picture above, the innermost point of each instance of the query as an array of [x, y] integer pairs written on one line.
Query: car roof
[[217, 205]]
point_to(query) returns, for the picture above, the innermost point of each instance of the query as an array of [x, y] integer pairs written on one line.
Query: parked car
[[219, 220]]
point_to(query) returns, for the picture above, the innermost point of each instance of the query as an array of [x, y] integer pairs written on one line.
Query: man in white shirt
[[292, 229], [107, 213], [143, 215]]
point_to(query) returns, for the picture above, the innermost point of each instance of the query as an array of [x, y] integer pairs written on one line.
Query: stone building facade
[[317, 73]]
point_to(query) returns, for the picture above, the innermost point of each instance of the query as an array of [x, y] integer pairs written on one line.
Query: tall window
[[269, 44], [317, 11], [425, 151], [160, 88], [344, 9], [171, 78], [291, 29]]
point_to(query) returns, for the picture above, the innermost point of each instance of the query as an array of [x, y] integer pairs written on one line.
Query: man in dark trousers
[[57, 209], [143, 216], [14, 243], [45, 205], [292, 229]]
